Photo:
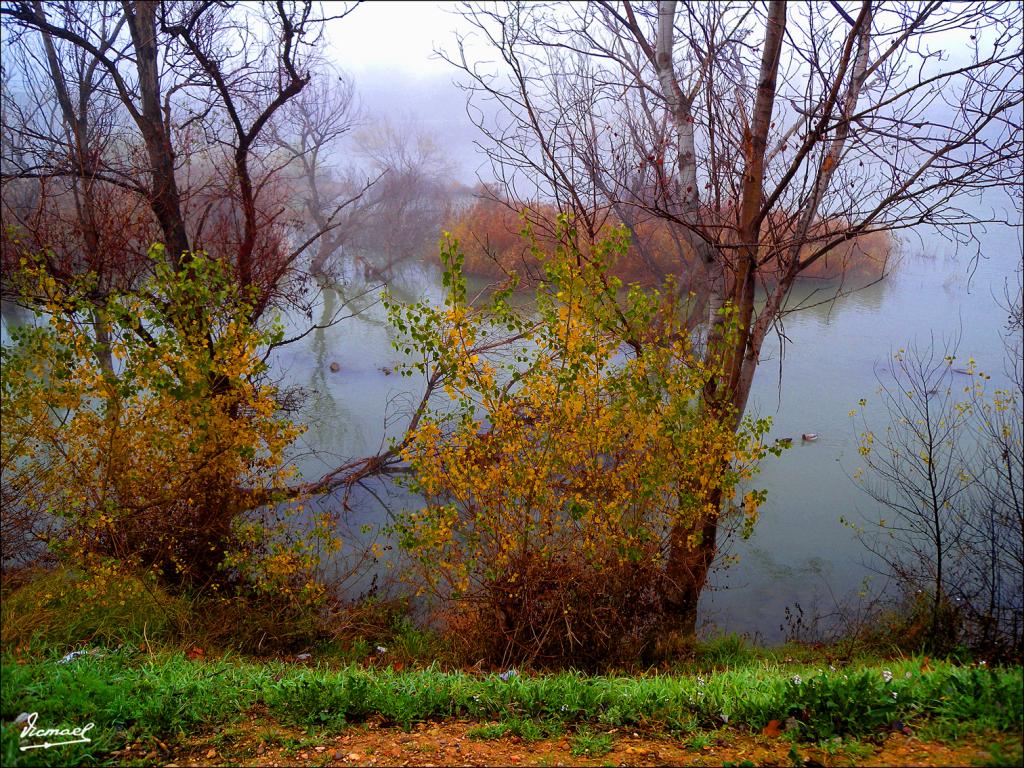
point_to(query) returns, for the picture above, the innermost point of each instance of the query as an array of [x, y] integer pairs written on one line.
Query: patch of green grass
[[856, 751], [411, 644], [699, 741], [730, 650], [358, 650], [65, 609], [318, 700], [293, 745], [589, 744], [524, 728], [134, 697], [1003, 755], [384, 636], [839, 748], [271, 737], [489, 732], [232, 741], [128, 699]]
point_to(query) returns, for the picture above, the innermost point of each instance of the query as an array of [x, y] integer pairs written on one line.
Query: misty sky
[[396, 37], [388, 49]]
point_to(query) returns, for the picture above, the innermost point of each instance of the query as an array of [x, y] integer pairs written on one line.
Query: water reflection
[[800, 552]]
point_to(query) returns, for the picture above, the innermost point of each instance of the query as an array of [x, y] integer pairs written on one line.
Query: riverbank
[[765, 708], [457, 743]]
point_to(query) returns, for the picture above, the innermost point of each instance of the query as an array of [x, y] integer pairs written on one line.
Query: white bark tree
[[763, 135]]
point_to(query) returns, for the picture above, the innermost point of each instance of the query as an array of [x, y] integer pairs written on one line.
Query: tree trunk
[[693, 547], [165, 199]]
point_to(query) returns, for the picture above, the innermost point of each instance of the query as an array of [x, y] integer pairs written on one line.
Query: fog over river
[[800, 552], [396, 117]]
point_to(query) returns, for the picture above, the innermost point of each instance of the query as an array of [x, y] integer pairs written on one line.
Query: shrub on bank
[[140, 431], [564, 483]]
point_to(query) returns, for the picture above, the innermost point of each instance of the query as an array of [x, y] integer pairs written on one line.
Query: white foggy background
[[388, 49]]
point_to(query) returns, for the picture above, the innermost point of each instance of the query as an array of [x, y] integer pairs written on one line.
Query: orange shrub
[[490, 234]]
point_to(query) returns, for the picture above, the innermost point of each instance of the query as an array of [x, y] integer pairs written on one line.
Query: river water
[[800, 552]]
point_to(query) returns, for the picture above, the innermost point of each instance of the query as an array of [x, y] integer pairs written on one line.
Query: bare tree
[[992, 584], [165, 122], [409, 201], [309, 132], [947, 474], [194, 114], [201, 78], [384, 208], [66, 185], [917, 472], [764, 136]]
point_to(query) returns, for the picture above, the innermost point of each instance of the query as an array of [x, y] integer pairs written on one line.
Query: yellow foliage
[[152, 454], [561, 446]]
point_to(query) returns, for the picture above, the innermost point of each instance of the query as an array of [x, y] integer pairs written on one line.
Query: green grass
[[730, 650], [524, 728], [1004, 755], [699, 741], [489, 732], [133, 697], [590, 744]]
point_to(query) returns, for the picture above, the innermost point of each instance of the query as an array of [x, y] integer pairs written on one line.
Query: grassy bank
[[155, 702]]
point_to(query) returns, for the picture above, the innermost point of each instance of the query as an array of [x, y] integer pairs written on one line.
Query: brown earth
[[258, 744]]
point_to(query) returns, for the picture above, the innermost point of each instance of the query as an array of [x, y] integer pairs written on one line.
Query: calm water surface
[[799, 552]]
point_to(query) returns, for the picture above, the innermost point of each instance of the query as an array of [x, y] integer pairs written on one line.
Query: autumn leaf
[[572, 458]]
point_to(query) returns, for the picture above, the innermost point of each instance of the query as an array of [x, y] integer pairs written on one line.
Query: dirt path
[[448, 743]]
